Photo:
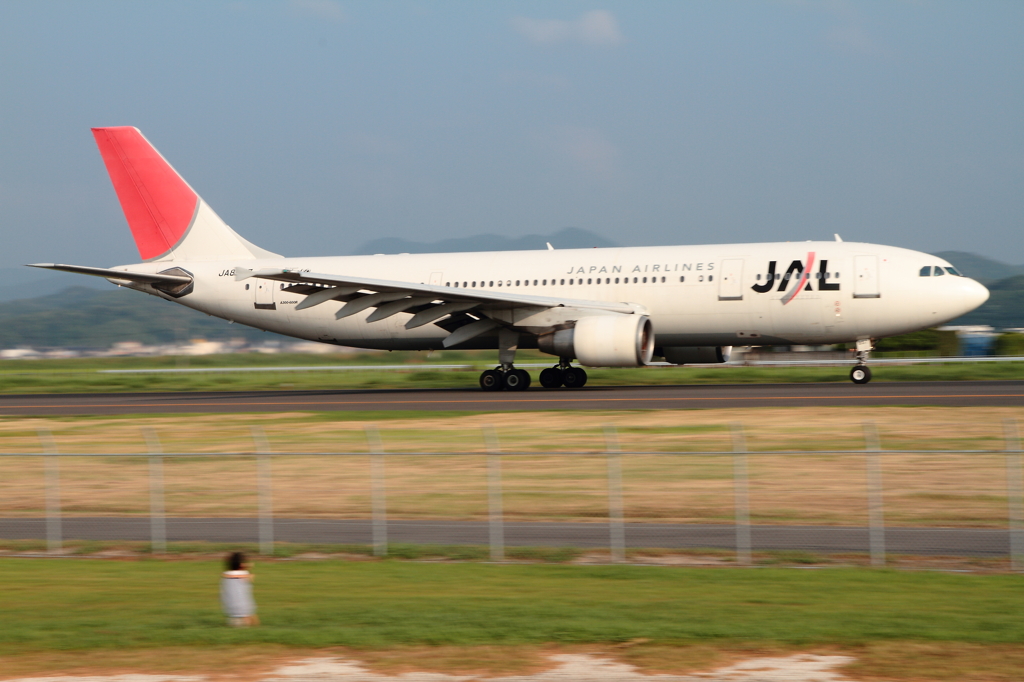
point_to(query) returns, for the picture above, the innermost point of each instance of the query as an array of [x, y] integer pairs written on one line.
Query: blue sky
[[312, 126]]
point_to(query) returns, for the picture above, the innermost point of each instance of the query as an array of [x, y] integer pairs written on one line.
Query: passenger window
[[682, 278]]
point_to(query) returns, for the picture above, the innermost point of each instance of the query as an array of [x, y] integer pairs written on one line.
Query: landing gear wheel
[[861, 374], [552, 377], [517, 380], [574, 377], [492, 380]]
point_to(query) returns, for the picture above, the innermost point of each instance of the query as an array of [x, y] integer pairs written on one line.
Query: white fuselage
[[707, 295]]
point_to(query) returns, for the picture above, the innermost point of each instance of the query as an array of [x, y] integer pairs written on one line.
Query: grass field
[[894, 621], [920, 489], [85, 375]]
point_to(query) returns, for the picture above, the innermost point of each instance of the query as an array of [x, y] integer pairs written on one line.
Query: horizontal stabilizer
[[114, 275]]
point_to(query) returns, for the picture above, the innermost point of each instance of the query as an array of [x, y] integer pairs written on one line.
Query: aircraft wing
[[428, 302]]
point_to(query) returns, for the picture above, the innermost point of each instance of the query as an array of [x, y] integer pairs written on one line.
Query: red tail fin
[[158, 203]]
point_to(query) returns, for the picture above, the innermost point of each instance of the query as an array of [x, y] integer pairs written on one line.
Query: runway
[[942, 393], [825, 539]]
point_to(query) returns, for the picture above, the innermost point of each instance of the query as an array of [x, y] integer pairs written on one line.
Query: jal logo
[[803, 278]]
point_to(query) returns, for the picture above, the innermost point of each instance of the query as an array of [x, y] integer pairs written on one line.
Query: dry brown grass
[[922, 489]]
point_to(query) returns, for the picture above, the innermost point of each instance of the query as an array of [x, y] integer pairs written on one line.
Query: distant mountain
[[83, 317], [23, 282], [977, 267], [567, 238], [1003, 309], [79, 317]]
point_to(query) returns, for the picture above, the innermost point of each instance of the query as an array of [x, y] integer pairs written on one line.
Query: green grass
[[53, 605], [83, 375]]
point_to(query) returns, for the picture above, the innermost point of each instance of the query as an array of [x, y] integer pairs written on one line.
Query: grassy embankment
[[898, 623], [87, 375]]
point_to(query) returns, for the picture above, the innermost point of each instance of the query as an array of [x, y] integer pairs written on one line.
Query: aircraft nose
[[972, 294]]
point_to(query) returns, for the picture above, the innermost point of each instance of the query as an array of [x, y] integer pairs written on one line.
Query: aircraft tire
[[492, 380], [574, 377], [552, 377], [861, 374], [517, 380]]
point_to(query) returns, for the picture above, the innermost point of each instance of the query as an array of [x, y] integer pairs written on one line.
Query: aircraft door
[[436, 277], [730, 280], [865, 277], [264, 294]]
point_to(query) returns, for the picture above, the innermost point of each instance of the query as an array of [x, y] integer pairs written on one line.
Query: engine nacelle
[[604, 341], [697, 355]]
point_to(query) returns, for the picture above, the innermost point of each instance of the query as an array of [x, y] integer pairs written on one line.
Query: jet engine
[[604, 341], [697, 355]]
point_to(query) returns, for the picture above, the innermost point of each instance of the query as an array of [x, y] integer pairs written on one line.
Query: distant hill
[[567, 238], [983, 269], [23, 282], [1003, 309], [80, 317], [83, 317]]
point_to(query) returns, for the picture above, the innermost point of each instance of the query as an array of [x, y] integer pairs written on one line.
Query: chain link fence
[[866, 501]]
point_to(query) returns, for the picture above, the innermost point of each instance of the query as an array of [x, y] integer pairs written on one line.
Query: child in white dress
[[236, 592]]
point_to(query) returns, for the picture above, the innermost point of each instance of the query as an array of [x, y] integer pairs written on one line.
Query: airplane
[[601, 307]]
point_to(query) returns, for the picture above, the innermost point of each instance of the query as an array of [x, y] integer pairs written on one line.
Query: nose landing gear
[[861, 373]]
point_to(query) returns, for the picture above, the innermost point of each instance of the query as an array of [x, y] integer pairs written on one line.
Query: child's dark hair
[[235, 561]]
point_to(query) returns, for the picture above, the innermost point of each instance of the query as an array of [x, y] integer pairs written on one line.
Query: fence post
[[53, 527], [876, 510], [1014, 493], [379, 493], [495, 517], [157, 513], [741, 492], [616, 525], [265, 486]]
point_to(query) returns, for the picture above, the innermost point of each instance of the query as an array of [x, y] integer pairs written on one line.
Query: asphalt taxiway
[[942, 393], [828, 539]]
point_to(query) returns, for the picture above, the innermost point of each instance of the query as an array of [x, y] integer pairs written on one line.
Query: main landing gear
[[510, 379], [563, 374], [861, 373]]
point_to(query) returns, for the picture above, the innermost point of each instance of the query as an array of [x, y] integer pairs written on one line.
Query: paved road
[[950, 393], [921, 541]]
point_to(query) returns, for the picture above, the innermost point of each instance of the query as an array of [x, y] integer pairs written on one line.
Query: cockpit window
[[938, 271], [926, 271], [953, 271]]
